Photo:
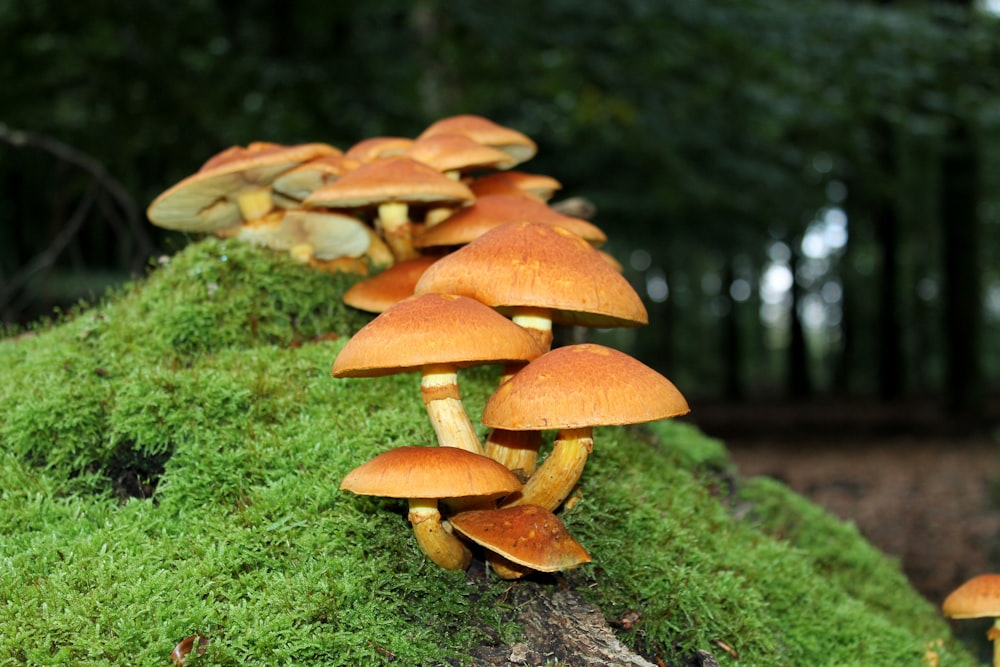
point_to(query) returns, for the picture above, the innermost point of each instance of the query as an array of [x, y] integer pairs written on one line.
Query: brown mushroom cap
[[303, 180], [976, 598], [209, 200], [386, 289], [526, 534], [430, 472], [376, 148], [457, 153], [514, 183], [530, 264], [580, 386], [516, 144], [433, 329], [491, 211], [394, 179]]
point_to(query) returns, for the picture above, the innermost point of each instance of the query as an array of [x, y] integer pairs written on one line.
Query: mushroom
[[392, 185], [491, 211], [230, 188], [424, 475], [298, 183], [522, 538], [485, 131], [517, 183], [321, 237], [979, 597], [381, 291], [540, 274], [376, 148], [573, 389], [436, 334]]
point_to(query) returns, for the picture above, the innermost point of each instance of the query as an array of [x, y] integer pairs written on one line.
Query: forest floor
[[920, 487]]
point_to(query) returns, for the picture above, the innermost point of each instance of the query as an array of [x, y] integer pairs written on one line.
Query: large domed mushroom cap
[[580, 386], [978, 597], [433, 329], [534, 265], [392, 179]]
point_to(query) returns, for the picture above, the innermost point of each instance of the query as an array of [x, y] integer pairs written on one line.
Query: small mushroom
[[517, 183], [525, 537], [485, 131], [436, 334], [391, 185], [979, 597], [425, 475], [573, 389]]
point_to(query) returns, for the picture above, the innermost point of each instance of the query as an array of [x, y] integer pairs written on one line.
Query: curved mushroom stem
[[439, 389], [394, 224], [255, 203], [438, 543], [559, 473]]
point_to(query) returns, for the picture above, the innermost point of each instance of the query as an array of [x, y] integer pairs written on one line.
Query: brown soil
[[919, 487]]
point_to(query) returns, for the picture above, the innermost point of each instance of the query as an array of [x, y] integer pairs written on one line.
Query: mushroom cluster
[[483, 269]]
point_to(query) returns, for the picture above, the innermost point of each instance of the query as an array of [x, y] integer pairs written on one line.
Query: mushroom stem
[[255, 204], [517, 450], [394, 224], [538, 322], [439, 389], [505, 568], [438, 543], [559, 473]]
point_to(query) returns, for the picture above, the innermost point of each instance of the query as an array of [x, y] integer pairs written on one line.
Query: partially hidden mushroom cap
[[303, 180], [457, 152], [515, 183], [433, 329], [430, 472], [525, 534], [483, 130], [386, 289], [376, 148], [530, 264], [579, 386], [976, 598], [330, 234], [491, 211], [209, 200], [393, 179]]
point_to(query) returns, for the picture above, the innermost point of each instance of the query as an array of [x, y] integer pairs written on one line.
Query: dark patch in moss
[[135, 476]]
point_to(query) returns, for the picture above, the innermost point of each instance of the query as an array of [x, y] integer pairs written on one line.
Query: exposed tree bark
[[961, 289]]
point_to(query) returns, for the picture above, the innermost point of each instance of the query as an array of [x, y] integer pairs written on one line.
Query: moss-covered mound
[[170, 463]]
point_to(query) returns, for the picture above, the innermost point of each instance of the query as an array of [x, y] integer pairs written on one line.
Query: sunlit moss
[[169, 464]]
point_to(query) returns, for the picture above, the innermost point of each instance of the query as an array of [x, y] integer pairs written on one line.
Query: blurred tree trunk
[[732, 346], [961, 289], [886, 223], [799, 377]]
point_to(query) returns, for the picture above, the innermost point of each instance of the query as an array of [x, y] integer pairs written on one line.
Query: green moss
[[206, 387]]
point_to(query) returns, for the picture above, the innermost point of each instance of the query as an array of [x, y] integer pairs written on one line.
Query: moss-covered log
[[169, 464]]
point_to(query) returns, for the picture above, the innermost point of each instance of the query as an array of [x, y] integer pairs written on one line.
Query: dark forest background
[[807, 193]]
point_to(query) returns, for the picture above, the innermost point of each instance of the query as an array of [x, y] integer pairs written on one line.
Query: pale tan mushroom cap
[[530, 264], [579, 386], [303, 180], [976, 598], [491, 211], [516, 144], [394, 179], [207, 200], [329, 234], [430, 472], [525, 534], [386, 289], [433, 329]]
